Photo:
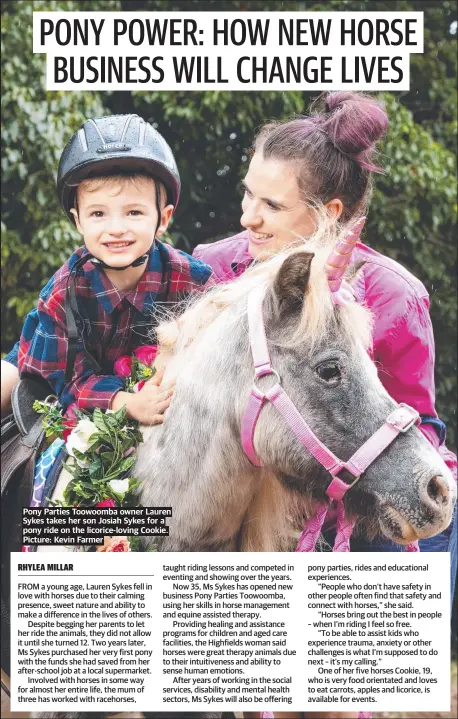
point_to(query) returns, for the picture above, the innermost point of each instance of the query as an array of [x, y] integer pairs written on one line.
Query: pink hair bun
[[354, 122]]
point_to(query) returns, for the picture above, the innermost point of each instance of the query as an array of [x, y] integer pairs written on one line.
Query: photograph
[[228, 325]]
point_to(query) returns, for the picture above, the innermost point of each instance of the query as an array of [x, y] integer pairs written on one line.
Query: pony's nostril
[[438, 490]]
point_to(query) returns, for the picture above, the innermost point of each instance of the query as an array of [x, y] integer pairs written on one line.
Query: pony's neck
[[194, 462]]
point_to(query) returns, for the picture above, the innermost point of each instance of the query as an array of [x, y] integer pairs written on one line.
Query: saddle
[[22, 440]]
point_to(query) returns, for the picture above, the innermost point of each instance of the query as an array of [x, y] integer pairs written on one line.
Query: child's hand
[[148, 405]]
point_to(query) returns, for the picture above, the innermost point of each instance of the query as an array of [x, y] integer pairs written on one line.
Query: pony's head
[[320, 351]]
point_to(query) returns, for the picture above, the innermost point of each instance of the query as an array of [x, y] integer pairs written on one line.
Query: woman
[[309, 176]]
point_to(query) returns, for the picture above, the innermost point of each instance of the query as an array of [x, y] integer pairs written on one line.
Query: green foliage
[[413, 213], [37, 238], [53, 422], [102, 460]]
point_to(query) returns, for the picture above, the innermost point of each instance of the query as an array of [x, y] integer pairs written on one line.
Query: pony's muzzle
[[429, 515], [438, 497]]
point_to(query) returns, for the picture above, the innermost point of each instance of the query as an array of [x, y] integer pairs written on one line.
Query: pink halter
[[400, 420]]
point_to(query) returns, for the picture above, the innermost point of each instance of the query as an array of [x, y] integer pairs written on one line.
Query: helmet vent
[[141, 134], [97, 130], [82, 139], [126, 126]]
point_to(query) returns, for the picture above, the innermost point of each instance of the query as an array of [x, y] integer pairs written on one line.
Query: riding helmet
[[111, 145]]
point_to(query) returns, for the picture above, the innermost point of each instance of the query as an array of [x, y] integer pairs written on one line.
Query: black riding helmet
[[116, 144]]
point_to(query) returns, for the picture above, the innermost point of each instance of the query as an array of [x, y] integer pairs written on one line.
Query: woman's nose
[[250, 216]]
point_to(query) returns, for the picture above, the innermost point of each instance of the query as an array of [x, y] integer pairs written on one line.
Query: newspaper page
[[228, 477]]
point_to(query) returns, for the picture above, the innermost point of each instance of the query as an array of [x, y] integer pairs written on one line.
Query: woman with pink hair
[[312, 176]]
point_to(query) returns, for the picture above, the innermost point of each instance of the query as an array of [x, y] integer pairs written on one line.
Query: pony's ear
[[291, 281]]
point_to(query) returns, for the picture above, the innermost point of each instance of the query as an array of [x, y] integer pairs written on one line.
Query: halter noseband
[[399, 421]]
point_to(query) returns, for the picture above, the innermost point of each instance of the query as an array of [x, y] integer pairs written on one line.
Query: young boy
[[118, 182]]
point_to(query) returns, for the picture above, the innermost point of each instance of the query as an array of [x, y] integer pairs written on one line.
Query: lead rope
[[307, 542]]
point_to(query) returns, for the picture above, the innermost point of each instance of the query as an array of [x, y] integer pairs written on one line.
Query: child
[[118, 182]]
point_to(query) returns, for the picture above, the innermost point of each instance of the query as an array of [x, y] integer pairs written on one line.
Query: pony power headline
[[207, 51]]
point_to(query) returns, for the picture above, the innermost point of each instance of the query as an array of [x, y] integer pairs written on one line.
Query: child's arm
[[43, 352], [9, 369]]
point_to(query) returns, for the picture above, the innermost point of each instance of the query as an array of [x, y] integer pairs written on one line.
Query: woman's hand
[[149, 404]]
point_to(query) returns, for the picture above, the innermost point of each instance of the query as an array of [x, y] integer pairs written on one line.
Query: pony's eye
[[329, 372]]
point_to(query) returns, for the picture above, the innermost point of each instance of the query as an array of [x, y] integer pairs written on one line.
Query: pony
[[195, 461]]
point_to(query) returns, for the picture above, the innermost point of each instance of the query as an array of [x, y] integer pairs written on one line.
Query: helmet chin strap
[[143, 258], [103, 265]]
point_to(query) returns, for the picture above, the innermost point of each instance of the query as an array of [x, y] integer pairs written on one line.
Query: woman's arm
[[404, 349]]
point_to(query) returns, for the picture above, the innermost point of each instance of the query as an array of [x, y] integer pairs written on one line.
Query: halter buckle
[[403, 418], [342, 475], [338, 486], [265, 373]]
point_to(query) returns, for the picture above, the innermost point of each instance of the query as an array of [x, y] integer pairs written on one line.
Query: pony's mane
[[316, 316]]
